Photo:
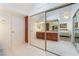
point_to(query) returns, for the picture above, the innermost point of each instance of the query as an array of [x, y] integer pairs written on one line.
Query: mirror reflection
[[52, 26], [64, 32]]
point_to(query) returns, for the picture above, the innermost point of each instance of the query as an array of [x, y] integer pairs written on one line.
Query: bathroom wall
[[11, 29]]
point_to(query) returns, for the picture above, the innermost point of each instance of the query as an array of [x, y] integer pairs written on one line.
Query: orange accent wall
[[26, 29]]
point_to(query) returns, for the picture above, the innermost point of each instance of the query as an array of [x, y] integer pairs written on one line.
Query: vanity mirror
[[40, 26], [52, 25]]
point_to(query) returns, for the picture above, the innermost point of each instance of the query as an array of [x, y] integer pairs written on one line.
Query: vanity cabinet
[[49, 36], [52, 36], [40, 35]]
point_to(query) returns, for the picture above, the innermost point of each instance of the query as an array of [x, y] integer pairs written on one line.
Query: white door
[[14, 34], [16, 30]]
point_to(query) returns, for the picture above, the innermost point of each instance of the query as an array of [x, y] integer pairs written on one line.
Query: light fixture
[[65, 15]]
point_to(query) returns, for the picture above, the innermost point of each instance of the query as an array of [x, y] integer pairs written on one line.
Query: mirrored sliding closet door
[[38, 30], [59, 31], [52, 31], [76, 30]]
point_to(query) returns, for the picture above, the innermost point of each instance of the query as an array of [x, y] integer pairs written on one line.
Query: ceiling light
[[65, 17]]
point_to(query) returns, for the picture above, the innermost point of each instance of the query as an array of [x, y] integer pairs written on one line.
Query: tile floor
[[61, 47], [24, 50]]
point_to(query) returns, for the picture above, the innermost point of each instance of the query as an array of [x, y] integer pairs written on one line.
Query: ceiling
[[23, 8]]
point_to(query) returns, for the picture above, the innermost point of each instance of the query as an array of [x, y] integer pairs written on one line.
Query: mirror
[[52, 25], [40, 26]]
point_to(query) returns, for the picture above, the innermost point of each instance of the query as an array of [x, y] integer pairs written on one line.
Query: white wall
[[12, 29], [4, 30]]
